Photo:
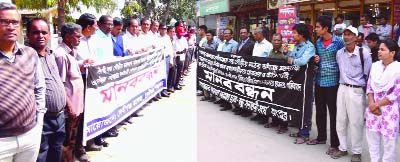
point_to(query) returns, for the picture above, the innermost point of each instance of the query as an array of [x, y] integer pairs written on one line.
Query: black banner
[[100, 75], [265, 86]]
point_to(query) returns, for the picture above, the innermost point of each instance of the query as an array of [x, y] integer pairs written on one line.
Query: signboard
[[287, 19], [261, 85], [117, 89], [208, 7]]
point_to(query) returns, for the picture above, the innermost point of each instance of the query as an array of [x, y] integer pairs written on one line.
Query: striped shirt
[[22, 97], [327, 74], [55, 93], [350, 66]]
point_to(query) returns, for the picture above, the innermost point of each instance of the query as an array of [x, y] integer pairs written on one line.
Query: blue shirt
[[302, 53], [350, 66], [229, 46], [118, 46], [327, 74]]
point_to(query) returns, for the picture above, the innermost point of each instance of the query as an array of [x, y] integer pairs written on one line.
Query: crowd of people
[[356, 80], [43, 89]]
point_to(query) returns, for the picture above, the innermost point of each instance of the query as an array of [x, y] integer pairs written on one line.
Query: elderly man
[[132, 43], [262, 47], [154, 27], [354, 65], [23, 88], [71, 76], [146, 36], [53, 134]]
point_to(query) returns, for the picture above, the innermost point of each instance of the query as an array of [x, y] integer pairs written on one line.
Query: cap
[[352, 29]]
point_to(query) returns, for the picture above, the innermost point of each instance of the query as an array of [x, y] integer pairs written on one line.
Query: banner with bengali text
[[117, 89], [265, 86]]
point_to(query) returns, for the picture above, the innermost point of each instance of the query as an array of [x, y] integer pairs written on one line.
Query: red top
[[327, 42]]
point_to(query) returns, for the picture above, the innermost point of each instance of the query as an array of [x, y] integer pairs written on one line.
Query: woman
[[382, 114]]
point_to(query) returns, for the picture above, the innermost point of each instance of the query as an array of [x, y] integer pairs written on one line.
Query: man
[[116, 37], [354, 65], [373, 43], [265, 29], [22, 97], [220, 37], [339, 26], [53, 134], [230, 46], [146, 36], [172, 73], [246, 45], [87, 55], [180, 46], [310, 26], [262, 47], [245, 48], [277, 53], [202, 34], [132, 43], [365, 27], [384, 30], [154, 28], [326, 82], [167, 44], [71, 76], [210, 43], [104, 51], [302, 53]]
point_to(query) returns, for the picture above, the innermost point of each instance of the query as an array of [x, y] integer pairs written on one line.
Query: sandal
[[315, 142], [295, 135], [301, 140], [331, 150], [282, 131]]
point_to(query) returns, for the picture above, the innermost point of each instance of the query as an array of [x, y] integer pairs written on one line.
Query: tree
[[65, 6]]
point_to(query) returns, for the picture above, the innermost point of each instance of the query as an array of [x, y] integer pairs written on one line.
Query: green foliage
[[183, 9], [131, 9], [35, 4]]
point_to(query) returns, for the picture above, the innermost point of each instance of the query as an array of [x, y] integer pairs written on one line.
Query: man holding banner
[[302, 53]]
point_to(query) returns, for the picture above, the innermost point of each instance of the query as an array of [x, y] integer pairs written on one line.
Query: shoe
[[110, 134], [212, 99], [178, 88], [171, 90], [159, 96], [101, 142], [205, 98], [164, 94], [338, 154], [356, 158], [219, 101], [81, 155], [263, 121], [256, 118], [199, 93], [155, 99], [91, 146], [226, 107], [238, 112], [246, 113]]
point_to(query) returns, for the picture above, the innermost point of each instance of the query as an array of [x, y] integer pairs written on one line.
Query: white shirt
[[131, 42], [104, 47], [86, 49], [147, 40], [180, 45], [166, 43], [262, 49]]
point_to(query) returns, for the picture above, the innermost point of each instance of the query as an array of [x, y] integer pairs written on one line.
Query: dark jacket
[[247, 49]]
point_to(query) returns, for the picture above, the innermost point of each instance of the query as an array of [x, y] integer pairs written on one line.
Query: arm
[[367, 62], [40, 91]]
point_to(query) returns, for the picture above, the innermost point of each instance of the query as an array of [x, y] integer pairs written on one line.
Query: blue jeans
[[53, 136]]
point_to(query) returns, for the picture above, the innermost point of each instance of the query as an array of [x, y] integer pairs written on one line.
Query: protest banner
[[117, 89]]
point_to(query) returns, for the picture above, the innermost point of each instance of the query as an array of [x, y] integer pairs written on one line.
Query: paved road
[[225, 137], [166, 133]]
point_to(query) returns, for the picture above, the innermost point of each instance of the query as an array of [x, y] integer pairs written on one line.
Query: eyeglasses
[[6, 22]]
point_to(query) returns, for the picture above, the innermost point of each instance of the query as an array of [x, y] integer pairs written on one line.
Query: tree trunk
[[165, 16], [61, 14]]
